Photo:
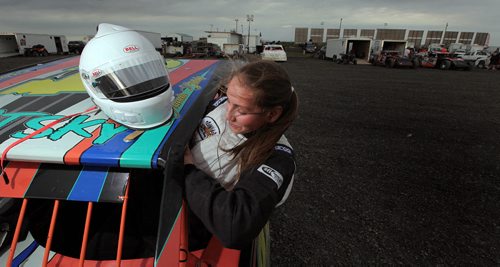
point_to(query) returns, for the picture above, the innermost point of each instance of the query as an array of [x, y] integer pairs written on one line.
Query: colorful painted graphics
[[31, 100], [86, 158]]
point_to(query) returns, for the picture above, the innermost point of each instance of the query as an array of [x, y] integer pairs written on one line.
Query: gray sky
[[276, 20]]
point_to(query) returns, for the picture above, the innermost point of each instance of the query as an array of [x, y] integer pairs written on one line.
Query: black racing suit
[[237, 216]]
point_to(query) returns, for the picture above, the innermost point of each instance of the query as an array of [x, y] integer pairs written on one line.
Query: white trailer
[[390, 45], [359, 46], [17, 43], [153, 37]]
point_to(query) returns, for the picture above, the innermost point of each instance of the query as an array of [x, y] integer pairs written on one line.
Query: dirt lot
[[395, 167]]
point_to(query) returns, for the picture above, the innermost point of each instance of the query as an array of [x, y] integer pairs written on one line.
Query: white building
[[227, 41]]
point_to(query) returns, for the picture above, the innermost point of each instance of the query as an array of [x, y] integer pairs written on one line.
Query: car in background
[[482, 63], [37, 50], [274, 52], [473, 56], [310, 47], [458, 53], [76, 47], [392, 58], [444, 61]]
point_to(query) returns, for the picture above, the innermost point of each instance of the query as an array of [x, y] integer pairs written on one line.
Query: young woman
[[240, 166]]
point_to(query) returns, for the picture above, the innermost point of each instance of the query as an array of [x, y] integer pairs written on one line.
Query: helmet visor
[[130, 78]]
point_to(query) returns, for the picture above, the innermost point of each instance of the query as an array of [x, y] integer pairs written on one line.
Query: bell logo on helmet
[[130, 49], [96, 73]]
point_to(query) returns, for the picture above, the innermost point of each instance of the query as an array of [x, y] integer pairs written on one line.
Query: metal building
[[366, 33], [332, 34], [350, 33], [317, 35], [390, 34], [417, 37], [301, 35], [466, 38], [449, 38], [433, 37], [482, 38]]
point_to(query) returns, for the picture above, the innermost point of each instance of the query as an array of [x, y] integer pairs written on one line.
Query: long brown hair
[[272, 88]]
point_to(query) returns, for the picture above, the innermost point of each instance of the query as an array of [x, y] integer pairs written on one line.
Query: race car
[[443, 61], [67, 168], [392, 59]]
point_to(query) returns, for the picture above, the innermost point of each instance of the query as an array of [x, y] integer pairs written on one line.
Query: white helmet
[[126, 77]]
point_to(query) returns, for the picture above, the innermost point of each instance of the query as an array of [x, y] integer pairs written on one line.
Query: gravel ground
[[395, 167]]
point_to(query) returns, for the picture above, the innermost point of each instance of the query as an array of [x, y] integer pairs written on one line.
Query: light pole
[[444, 33], [236, 29], [340, 29], [323, 30], [249, 19]]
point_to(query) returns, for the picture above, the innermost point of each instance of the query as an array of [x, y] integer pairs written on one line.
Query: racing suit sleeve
[[236, 217]]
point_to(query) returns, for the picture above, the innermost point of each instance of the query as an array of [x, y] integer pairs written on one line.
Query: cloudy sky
[[276, 20]]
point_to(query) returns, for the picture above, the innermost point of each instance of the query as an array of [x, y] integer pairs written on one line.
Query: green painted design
[[140, 154]]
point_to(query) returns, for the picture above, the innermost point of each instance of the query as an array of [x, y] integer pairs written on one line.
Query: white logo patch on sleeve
[[271, 173]]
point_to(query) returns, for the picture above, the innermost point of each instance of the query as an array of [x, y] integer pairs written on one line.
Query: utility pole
[[340, 28], [323, 30], [444, 32], [236, 29], [249, 19]]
